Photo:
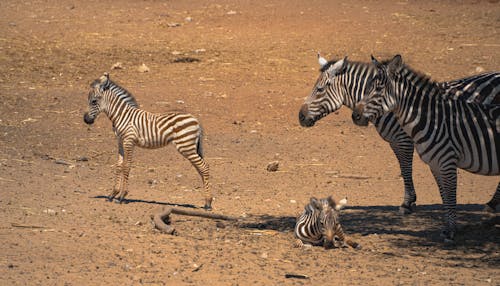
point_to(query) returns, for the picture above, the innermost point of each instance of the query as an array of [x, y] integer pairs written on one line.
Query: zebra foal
[[319, 224], [136, 127], [448, 133]]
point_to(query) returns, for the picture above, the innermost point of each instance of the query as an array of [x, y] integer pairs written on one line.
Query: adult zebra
[[345, 83], [136, 127], [448, 133]]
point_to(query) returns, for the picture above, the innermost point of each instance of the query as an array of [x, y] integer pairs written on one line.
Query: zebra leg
[[403, 149], [447, 182], [117, 186], [491, 206], [339, 232], [128, 149], [202, 167]]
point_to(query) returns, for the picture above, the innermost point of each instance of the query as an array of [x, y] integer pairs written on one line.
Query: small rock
[[173, 25], [117, 66], [479, 69], [273, 166], [82, 159], [231, 12], [50, 212], [264, 255], [188, 19], [143, 68], [293, 201], [220, 224]]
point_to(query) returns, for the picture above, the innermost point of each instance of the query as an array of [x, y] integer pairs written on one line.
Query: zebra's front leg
[[403, 149], [128, 149], [118, 175], [447, 182], [491, 206]]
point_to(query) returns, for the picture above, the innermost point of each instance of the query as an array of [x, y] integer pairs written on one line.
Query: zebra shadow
[[422, 228], [128, 201]]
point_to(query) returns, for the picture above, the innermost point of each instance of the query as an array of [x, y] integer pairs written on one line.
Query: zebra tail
[[199, 143]]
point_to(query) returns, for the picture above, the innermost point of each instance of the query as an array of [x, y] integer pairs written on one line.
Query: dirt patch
[[244, 69]]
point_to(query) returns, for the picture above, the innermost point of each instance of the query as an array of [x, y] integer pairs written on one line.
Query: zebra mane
[[120, 92], [417, 78]]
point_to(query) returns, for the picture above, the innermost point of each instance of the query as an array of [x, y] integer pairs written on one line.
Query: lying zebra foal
[[137, 127], [319, 224]]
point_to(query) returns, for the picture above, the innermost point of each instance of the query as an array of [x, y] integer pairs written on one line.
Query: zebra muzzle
[[358, 118], [88, 119]]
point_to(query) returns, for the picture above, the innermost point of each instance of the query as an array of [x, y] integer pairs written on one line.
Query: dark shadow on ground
[[420, 229], [128, 201]]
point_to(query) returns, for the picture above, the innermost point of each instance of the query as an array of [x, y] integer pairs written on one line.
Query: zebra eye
[[320, 89], [93, 101]]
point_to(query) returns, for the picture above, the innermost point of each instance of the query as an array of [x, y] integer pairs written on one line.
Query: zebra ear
[[395, 65], [338, 67], [315, 203], [322, 61], [331, 202], [104, 81], [342, 203]]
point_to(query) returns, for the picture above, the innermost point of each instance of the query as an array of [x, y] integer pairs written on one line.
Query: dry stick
[[160, 218]]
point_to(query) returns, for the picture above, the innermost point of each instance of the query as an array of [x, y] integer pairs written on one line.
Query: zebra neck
[[358, 80], [117, 109], [416, 98]]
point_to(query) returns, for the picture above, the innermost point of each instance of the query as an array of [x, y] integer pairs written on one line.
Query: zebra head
[[329, 218], [327, 95], [97, 88], [381, 98]]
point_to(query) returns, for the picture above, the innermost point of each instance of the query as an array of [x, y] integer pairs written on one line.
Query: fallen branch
[[13, 224], [161, 220]]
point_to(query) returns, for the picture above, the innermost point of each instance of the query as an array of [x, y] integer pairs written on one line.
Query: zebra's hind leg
[[190, 153], [403, 149], [491, 206]]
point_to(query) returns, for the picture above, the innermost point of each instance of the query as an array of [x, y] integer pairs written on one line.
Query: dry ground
[[255, 63]]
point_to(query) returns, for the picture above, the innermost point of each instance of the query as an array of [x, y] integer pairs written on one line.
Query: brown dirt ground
[[257, 62]]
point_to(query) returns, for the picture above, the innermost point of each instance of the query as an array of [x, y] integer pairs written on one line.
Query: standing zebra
[[448, 133], [319, 224], [345, 83], [136, 127]]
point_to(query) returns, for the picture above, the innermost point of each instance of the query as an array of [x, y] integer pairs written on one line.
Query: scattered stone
[[188, 19], [62, 162], [50, 212], [186, 60], [273, 166], [82, 159], [173, 25], [143, 68], [231, 12], [117, 66]]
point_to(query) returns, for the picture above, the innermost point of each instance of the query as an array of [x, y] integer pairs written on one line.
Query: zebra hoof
[[405, 210], [207, 207], [449, 237]]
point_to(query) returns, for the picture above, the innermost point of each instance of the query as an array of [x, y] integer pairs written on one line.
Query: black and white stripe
[[449, 133], [319, 224], [137, 127], [345, 83]]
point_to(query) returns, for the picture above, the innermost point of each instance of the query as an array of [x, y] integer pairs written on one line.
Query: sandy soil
[[251, 66]]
